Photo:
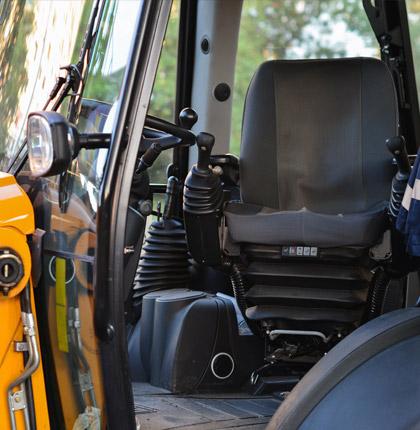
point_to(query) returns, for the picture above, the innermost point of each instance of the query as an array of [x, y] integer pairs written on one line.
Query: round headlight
[[40, 145], [53, 142]]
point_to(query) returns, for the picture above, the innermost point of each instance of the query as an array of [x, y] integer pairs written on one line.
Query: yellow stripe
[[61, 304]]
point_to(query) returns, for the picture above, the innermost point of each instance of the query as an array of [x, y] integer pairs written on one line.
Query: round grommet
[[222, 92], [205, 45], [222, 365]]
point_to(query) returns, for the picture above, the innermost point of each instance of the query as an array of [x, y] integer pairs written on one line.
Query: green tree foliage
[[162, 103], [13, 75], [100, 85], [413, 9]]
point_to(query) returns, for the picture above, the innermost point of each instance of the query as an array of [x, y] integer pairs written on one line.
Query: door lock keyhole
[[11, 270]]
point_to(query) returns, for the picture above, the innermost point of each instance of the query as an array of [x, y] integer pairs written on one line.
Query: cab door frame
[[113, 207], [184, 76], [389, 22]]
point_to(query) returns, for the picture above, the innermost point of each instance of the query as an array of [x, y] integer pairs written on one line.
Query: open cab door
[[75, 186]]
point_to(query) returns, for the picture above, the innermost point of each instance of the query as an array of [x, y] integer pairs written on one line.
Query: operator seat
[[307, 239], [314, 167], [315, 178]]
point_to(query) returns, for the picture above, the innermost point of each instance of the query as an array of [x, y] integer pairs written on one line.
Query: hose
[[31, 364], [25, 304], [377, 294], [239, 288]]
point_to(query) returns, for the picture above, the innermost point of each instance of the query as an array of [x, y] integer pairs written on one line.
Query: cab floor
[[158, 409]]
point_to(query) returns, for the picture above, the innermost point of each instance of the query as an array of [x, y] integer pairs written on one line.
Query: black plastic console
[[189, 340]]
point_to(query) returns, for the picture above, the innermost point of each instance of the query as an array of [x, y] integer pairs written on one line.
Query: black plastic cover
[[189, 341]]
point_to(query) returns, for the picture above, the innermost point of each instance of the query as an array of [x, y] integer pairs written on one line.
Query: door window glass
[[292, 29], [66, 290], [162, 102]]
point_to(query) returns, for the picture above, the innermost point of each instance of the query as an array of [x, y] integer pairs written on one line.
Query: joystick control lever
[[205, 143], [187, 118]]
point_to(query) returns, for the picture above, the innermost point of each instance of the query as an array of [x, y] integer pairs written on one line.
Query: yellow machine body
[[16, 222]]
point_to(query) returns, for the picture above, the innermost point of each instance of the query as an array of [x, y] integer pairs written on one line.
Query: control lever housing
[[203, 200]]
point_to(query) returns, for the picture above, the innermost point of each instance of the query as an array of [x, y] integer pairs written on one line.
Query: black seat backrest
[[314, 134]]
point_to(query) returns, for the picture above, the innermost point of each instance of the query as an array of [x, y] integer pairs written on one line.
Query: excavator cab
[[201, 210]]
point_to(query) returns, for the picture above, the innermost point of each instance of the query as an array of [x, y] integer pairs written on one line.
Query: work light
[[53, 142], [50, 143]]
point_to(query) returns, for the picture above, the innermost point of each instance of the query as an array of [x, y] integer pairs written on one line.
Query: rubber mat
[[157, 409]]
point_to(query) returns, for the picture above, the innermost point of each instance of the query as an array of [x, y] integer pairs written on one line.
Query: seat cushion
[[249, 223]]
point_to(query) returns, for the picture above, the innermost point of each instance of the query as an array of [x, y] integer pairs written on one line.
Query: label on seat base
[[299, 251]]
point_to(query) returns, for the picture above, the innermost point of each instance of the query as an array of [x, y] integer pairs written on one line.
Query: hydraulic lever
[[205, 142], [174, 136], [397, 147]]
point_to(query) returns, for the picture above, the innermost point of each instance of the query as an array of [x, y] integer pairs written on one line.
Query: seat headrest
[[314, 132]]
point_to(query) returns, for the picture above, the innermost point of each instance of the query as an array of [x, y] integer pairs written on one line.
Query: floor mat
[[158, 409]]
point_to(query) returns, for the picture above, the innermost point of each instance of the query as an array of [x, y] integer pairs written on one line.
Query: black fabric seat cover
[[314, 166]]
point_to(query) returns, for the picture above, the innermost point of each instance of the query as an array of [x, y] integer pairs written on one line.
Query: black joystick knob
[[187, 118], [397, 147], [205, 142]]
